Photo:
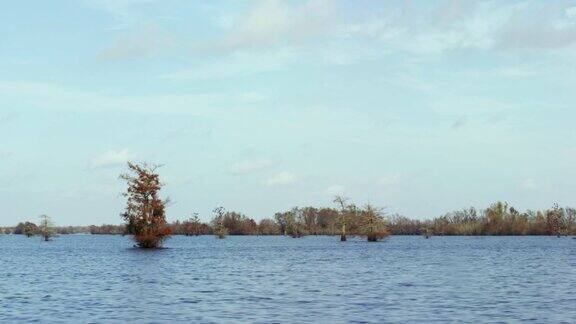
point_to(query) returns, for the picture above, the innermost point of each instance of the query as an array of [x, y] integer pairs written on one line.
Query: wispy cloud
[[7, 118], [390, 180], [238, 64], [459, 123], [279, 22], [57, 96], [282, 178], [458, 25], [334, 190], [556, 28], [249, 166], [5, 155], [110, 158], [144, 41], [529, 184], [124, 11]]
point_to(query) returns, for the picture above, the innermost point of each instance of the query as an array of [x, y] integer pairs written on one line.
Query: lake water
[[83, 278]]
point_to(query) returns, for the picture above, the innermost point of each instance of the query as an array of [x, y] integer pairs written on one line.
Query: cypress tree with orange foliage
[[145, 210]]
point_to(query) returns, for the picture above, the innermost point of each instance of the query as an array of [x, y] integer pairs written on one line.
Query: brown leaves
[[145, 211]]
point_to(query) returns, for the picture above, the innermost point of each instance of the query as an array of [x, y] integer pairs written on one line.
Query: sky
[[421, 107]]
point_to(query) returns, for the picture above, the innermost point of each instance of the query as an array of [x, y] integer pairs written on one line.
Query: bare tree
[[373, 223], [218, 222], [46, 228], [343, 219]]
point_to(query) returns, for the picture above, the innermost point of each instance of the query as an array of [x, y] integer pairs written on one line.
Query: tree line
[[498, 219], [145, 219]]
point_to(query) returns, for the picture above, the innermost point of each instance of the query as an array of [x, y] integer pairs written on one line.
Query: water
[[83, 278]]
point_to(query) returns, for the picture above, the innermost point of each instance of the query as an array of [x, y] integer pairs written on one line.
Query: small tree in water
[[218, 223], [145, 211], [374, 226], [46, 228], [342, 219]]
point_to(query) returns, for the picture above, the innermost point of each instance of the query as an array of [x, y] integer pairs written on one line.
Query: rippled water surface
[[83, 278]]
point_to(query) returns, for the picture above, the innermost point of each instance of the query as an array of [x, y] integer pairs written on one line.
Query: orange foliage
[[144, 213]]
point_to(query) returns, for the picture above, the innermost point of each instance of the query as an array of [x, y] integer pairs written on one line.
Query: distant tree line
[[145, 219], [498, 219]]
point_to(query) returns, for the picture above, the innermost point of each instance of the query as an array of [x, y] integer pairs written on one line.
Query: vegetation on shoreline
[[146, 220], [497, 219]]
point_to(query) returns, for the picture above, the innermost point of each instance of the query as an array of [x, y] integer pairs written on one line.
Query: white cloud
[[123, 11], [110, 158], [282, 178], [452, 102], [390, 180], [551, 32], [335, 190], [386, 28], [144, 41], [5, 155], [425, 30], [571, 12], [56, 96], [266, 23], [274, 21], [529, 184], [459, 25], [252, 97], [249, 166], [238, 64]]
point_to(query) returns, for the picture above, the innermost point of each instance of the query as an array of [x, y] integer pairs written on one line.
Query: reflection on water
[[277, 279]]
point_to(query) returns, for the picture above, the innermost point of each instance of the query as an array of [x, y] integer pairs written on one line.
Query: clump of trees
[[27, 228], [267, 226], [190, 227], [292, 222], [498, 219], [107, 229], [145, 210], [347, 220], [234, 222]]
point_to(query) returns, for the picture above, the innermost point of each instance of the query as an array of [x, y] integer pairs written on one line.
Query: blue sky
[[419, 106]]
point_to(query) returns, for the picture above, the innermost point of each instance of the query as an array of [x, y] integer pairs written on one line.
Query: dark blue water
[[82, 278]]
